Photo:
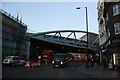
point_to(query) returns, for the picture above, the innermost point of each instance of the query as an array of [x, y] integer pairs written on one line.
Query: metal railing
[[12, 17]]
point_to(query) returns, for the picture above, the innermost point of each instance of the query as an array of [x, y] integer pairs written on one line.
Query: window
[[15, 58], [107, 17], [108, 33], [45, 55], [117, 28], [116, 9]]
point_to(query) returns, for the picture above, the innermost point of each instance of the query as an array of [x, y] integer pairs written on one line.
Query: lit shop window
[[116, 9], [117, 28]]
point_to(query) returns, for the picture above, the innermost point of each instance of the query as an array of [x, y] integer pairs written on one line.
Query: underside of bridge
[[35, 43], [63, 41]]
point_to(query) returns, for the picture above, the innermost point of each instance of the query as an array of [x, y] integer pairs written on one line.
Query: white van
[[12, 60]]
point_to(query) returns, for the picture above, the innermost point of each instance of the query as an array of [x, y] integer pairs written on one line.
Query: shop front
[[116, 60], [114, 56]]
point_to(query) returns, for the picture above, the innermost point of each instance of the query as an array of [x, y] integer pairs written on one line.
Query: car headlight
[[53, 62], [61, 63]]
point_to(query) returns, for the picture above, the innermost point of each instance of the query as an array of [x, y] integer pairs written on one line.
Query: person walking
[[92, 63], [104, 63], [88, 63]]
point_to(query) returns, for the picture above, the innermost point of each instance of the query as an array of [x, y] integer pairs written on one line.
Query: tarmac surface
[[75, 71], [100, 72]]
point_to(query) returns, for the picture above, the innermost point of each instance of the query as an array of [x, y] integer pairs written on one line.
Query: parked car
[[13, 60], [60, 60], [18, 63]]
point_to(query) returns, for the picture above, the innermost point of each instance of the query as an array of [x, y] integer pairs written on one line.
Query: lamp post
[[86, 30]]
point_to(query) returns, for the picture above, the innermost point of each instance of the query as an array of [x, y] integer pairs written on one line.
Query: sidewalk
[[99, 72]]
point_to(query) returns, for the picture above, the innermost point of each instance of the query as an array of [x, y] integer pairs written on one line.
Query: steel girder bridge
[[69, 38]]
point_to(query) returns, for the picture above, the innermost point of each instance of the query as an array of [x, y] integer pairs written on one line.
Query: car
[[13, 60], [60, 60], [18, 63], [10, 59]]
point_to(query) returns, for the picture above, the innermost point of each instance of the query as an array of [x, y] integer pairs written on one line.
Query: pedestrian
[[88, 63], [92, 62], [97, 62], [104, 63]]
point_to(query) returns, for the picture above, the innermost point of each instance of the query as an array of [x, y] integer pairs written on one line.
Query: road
[[72, 71]]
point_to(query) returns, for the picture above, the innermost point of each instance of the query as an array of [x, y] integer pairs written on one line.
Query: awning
[[102, 47], [113, 48]]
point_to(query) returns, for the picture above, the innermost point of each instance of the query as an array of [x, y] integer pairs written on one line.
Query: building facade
[[93, 42], [13, 36], [109, 31]]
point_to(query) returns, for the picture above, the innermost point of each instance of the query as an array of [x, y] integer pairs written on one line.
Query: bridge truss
[[72, 38]]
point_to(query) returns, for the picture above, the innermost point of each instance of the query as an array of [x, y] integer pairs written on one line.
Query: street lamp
[[86, 30]]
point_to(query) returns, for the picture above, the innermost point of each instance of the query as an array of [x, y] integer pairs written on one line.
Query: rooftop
[[13, 18]]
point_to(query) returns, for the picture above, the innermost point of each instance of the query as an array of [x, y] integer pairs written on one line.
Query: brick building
[[109, 31]]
